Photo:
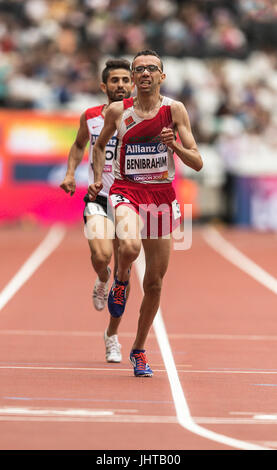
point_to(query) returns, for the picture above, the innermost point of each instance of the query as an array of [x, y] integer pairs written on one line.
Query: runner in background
[[116, 84]]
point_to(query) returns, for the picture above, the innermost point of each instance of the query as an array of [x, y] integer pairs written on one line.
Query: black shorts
[[100, 206]]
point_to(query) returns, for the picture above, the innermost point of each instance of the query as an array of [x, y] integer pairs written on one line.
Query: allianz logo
[[149, 149]]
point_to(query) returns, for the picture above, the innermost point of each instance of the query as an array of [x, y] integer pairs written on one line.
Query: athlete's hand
[[69, 184], [94, 189], [167, 136]]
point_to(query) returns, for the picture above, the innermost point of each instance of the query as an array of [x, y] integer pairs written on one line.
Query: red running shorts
[[155, 203]]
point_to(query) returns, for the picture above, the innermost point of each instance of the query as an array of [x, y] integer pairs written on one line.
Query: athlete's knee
[[100, 256], [152, 285], [130, 248]]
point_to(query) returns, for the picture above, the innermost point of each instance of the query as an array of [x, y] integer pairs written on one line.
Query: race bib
[[146, 162], [110, 151], [176, 209]]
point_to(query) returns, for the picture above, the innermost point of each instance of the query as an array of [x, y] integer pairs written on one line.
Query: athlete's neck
[[147, 103]]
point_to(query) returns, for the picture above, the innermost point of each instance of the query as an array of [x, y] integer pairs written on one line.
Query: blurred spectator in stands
[[225, 36], [258, 18], [51, 50]]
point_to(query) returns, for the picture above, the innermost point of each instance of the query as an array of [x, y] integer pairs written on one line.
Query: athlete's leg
[[128, 228], [102, 244], [114, 321], [100, 230], [157, 254], [115, 255]]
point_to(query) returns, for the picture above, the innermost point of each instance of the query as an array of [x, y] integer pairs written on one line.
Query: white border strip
[[126, 334], [236, 257], [45, 248], [182, 410]]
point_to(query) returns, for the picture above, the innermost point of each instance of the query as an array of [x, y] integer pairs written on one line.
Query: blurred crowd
[[219, 58]]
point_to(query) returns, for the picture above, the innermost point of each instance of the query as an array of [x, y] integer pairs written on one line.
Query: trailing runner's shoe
[[117, 298], [100, 292], [140, 364], [113, 353]]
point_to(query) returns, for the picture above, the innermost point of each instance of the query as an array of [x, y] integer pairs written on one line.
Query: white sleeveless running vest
[[95, 122]]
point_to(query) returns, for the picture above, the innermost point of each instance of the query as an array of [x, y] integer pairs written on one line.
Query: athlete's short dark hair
[[114, 64], [148, 52]]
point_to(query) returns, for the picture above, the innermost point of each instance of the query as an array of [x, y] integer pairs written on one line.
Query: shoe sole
[[143, 375], [147, 374], [98, 309], [117, 362]]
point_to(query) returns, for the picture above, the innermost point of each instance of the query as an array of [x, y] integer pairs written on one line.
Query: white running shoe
[[113, 353], [100, 292]]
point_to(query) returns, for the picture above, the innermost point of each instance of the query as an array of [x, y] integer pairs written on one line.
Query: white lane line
[[114, 369], [182, 410], [266, 417], [72, 412], [215, 240], [106, 416], [66, 368], [142, 419], [45, 248], [125, 334]]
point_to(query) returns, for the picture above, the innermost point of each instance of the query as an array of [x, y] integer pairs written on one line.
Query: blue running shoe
[[140, 364], [117, 298]]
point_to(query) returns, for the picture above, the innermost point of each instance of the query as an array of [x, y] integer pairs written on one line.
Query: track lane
[[56, 298], [71, 312], [227, 302], [260, 249], [16, 246]]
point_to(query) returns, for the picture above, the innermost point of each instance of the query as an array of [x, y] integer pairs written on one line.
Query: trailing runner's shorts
[[100, 206], [155, 203]]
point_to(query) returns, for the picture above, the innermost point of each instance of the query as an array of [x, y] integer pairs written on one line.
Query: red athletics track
[[57, 391]]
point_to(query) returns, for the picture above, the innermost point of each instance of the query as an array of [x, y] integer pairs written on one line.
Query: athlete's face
[[147, 80], [119, 85]]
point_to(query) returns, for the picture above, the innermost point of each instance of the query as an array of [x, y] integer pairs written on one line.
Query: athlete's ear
[[103, 87], [163, 77]]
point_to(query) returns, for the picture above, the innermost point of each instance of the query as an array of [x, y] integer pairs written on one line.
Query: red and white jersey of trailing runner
[[95, 122], [141, 156]]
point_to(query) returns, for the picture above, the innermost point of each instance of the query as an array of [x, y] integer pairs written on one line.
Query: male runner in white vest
[[116, 84]]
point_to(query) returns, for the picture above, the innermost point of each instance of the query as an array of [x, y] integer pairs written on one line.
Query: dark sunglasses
[[150, 68]]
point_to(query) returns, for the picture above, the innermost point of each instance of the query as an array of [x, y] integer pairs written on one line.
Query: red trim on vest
[[94, 111], [128, 102]]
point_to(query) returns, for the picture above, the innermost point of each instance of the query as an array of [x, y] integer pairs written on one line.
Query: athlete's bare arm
[[75, 156], [187, 150], [112, 119]]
